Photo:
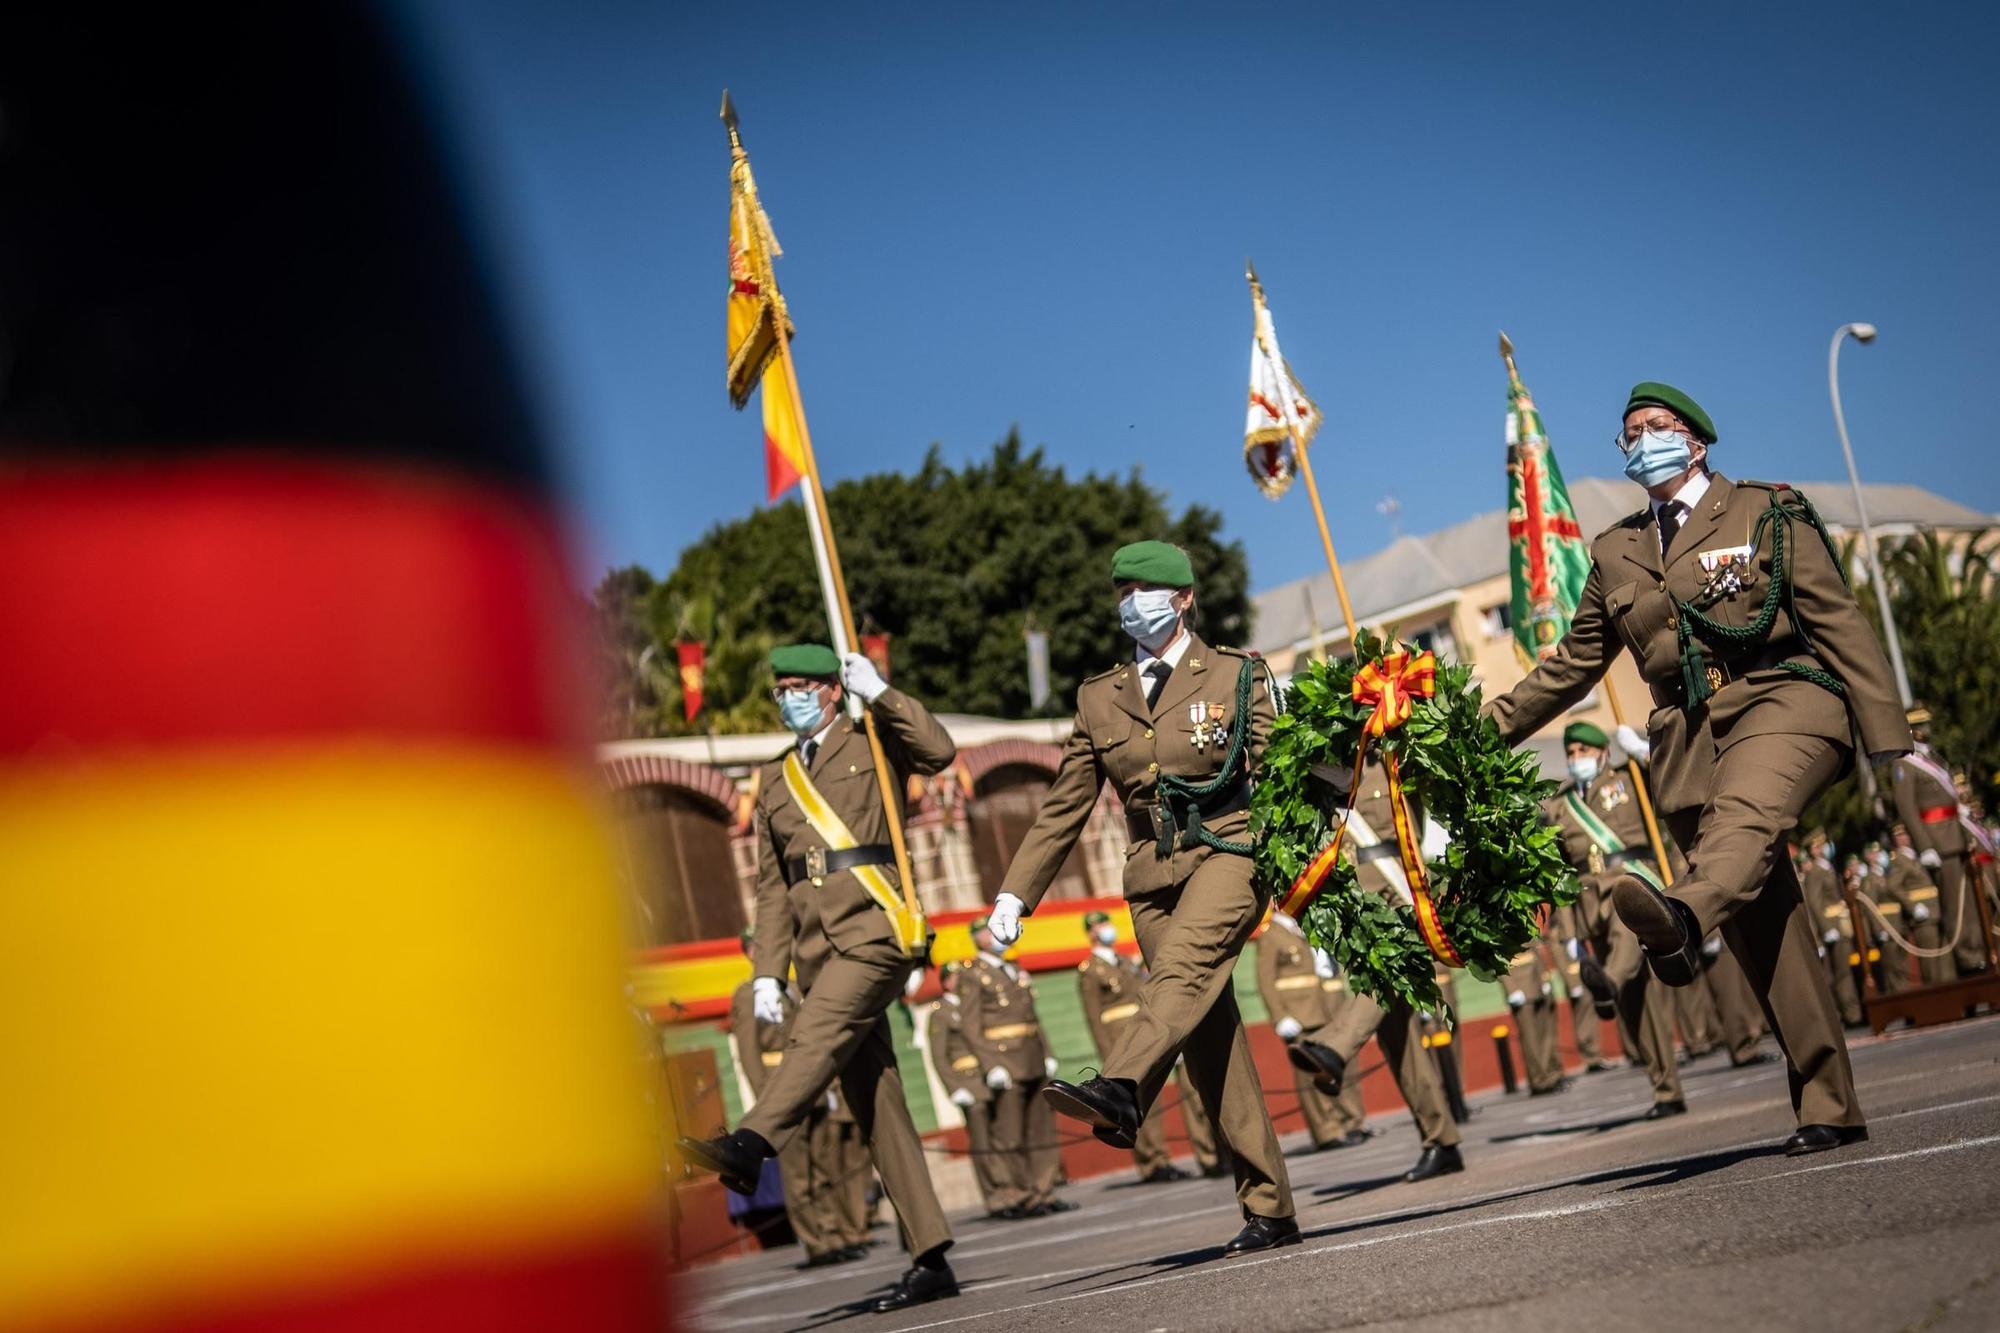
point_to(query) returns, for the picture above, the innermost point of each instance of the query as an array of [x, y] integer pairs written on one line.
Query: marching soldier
[[1761, 669], [1397, 1029], [1565, 933], [997, 1014], [1909, 880], [1289, 973], [1604, 833], [825, 876], [958, 1069], [1889, 917], [1735, 1004], [824, 1168], [1827, 904], [1532, 1003], [1440, 1038], [1178, 733], [1108, 984], [1347, 1102], [1927, 804]]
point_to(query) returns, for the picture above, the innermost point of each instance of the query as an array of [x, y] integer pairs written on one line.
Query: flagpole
[[1610, 690], [840, 614], [1304, 456]]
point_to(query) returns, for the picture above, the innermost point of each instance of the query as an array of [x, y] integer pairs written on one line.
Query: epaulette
[[1108, 671], [1233, 652], [1637, 519], [1776, 487]]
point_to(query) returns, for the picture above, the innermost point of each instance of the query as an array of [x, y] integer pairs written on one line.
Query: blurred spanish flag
[[310, 952], [755, 313]]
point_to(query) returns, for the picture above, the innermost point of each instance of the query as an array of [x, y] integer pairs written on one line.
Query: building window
[[1499, 620]]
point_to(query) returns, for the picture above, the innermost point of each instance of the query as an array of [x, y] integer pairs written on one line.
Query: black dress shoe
[[1661, 1110], [1560, 1085], [918, 1286], [853, 1253], [1599, 1067], [1164, 1175], [1106, 1105], [1216, 1172], [1756, 1058], [1013, 1212], [1052, 1206], [1437, 1160], [1263, 1233], [1665, 926], [1322, 1062], [738, 1158], [1603, 995], [1355, 1137], [1818, 1138]]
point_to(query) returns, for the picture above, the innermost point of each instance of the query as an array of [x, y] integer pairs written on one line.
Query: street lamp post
[[1865, 333]]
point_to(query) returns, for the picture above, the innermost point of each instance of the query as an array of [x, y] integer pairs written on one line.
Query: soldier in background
[[1108, 984], [1912, 884], [1890, 918], [1532, 1004], [1565, 934], [1289, 973], [1348, 1102], [1832, 921], [1927, 804], [958, 1069], [825, 1167], [997, 1016]]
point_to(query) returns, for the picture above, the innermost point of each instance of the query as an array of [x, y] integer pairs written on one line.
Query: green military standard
[[825, 875], [964, 1083], [1178, 732], [1289, 973], [1328, 1052], [1604, 833], [997, 1016], [824, 1167], [1108, 985], [1761, 670]]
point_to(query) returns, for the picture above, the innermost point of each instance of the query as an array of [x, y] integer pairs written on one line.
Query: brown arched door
[[679, 866], [1002, 808]]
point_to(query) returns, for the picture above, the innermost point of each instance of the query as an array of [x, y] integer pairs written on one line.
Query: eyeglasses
[[796, 683], [1627, 439]]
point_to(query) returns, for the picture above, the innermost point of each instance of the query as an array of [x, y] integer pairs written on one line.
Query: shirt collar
[[1688, 496], [818, 737], [1105, 952], [1172, 657]]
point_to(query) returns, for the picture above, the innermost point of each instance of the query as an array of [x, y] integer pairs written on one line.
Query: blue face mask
[[1657, 458], [1583, 768], [801, 710], [1148, 615]]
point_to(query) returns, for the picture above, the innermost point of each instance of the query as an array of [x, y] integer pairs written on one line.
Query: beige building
[[1450, 591]]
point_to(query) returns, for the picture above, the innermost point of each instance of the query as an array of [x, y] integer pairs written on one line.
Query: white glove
[[1289, 1029], [1832, 935], [832, 1100], [1005, 920], [962, 1098], [1919, 912], [915, 982], [861, 678], [1575, 950], [1930, 857], [1712, 946], [767, 1000], [998, 1079], [1576, 992], [1633, 742], [1323, 964], [1049, 1067], [1515, 999]]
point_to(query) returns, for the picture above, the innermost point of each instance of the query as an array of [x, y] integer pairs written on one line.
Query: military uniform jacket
[[1117, 739], [1110, 995], [760, 1047], [951, 1055], [1910, 883], [1825, 899], [1629, 603], [997, 1013], [1613, 799], [1918, 792], [837, 914], [1288, 980]]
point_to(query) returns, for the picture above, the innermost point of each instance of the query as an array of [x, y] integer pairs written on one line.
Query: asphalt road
[[1570, 1215]]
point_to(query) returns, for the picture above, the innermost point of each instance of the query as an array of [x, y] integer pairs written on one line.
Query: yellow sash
[[908, 928]]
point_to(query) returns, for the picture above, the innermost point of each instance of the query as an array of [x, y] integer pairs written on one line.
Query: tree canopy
[[955, 564]]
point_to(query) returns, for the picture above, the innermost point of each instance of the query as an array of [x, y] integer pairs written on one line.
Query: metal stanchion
[[1505, 1051]]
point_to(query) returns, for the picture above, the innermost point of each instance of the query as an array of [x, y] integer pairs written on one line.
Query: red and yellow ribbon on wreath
[[1389, 687]]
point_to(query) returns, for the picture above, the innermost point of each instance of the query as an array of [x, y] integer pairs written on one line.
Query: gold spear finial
[[1507, 355], [729, 121]]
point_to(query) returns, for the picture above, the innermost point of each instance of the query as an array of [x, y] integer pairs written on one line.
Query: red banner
[[694, 667], [875, 647]]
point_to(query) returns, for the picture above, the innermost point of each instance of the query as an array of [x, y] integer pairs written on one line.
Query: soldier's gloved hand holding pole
[[1005, 920], [998, 1079], [767, 1000]]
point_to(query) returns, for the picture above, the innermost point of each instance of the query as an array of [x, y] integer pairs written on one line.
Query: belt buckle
[[1716, 679], [816, 866]]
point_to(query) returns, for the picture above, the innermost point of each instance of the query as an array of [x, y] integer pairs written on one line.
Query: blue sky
[[1038, 216]]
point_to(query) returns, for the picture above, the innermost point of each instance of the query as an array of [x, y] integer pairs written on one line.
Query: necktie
[[807, 751], [1670, 525], [1156, 680]]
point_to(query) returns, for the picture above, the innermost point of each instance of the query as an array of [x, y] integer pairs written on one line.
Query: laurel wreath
[[1505, 862]]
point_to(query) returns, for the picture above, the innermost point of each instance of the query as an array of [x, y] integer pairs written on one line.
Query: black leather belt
[[1721, 673], [1142, 821], [819, 863]]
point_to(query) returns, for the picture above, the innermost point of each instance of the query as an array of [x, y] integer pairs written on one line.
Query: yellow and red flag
[[784, 453], [757, 318], [693, 661]]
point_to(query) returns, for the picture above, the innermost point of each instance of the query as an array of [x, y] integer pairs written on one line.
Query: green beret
[[1655, 394], [974, 926], [1588, 733], [805, 659], [1152, 562], [1092, 920]]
